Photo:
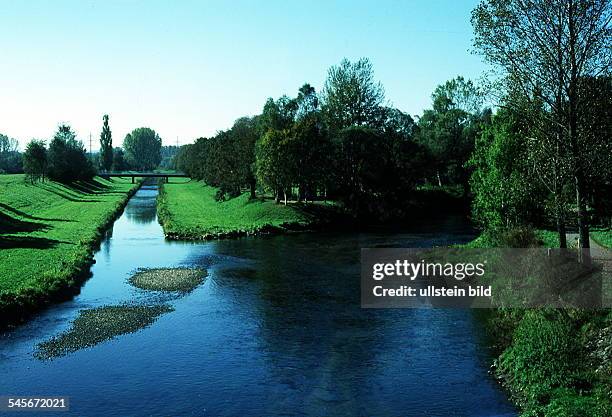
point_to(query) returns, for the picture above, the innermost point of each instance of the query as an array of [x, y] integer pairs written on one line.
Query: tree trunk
[[285, 193], [252, 185], [562, 231], [439, 179], [583, 225]]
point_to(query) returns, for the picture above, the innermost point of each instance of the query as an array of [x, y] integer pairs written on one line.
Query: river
[[276, 329]]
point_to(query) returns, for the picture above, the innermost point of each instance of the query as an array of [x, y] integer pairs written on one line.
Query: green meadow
[[48, 232], [188, 210]]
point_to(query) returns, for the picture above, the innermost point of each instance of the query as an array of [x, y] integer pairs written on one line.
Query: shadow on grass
[[89, 187], [28, 216], [9, 224], [23, 242], [66, 195]]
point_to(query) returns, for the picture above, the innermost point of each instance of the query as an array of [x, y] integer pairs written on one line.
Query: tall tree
[[67, 159], [143, 148], [307, 101], [450, 127], [545, 48], [106, 145], [351, 96], [273, 168], [35, 161]]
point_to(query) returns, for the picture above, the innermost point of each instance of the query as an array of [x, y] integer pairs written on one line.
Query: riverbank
[[553, 362], [48, 233], [187, 210]]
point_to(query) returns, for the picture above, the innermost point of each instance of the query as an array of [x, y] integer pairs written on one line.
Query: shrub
[[541, 357]]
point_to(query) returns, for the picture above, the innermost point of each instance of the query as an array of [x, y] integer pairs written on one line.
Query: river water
[[276, 329]]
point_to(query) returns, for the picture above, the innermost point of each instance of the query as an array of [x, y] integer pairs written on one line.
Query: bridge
[[133, 175]]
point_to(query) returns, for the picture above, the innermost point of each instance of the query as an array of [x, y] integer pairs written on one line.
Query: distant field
[[47, 235], [188, 210]]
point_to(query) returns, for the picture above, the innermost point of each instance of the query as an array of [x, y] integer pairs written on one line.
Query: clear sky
[[190, 68]]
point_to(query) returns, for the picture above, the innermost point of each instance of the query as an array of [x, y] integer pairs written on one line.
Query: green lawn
[[47, 235], [603, 237], [188, 210]]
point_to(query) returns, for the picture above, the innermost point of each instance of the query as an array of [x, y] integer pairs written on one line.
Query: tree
[[310, 156], [67, 159], [449, 129], [544, 49], [505, 193], [119, 162], [143, 149], [273, 167], [245, 133], [278, 115], [106, 146], [35, 161], [351, 96], [458, 93], [10, 159], [307, 101]]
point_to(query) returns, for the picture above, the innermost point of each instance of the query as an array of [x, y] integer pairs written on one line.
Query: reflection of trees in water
[[316, 337], [141, 215], [106, 242]]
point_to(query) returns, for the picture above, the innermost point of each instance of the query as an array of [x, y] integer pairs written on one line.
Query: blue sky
[[190, 68]]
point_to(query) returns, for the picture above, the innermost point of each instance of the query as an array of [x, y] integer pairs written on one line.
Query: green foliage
[[35, 161], [351, 96], [168, 157], [119, 162], [568, 403], [10, 158], [450, 128], [542, 356], [106, 146], [352, 148], [67, 159], [505, 194], [142, 149], [274, 166]]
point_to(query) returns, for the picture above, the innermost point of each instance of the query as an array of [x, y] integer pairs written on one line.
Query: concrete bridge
[[133, 175]]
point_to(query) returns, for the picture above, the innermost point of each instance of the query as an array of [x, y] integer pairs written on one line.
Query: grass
[[94, 326], [188, 210], [603, 237], [553, 362], [168, 279], [48, 233]]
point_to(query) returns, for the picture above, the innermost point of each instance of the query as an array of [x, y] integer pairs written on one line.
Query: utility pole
[[90, 147]]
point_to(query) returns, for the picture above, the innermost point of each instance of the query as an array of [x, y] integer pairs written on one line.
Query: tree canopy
[[143, 149]]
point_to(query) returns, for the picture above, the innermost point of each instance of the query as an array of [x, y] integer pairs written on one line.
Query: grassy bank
[[553, 362], [188, 210], [48, 233], [603, 237]]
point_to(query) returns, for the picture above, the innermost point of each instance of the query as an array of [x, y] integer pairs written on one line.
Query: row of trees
[[142, 149], [345, 143], [66, 160], [550, 144]]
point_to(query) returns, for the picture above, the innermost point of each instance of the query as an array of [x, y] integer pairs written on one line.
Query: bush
[[542, 356], [567, 403], [515, 237]]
